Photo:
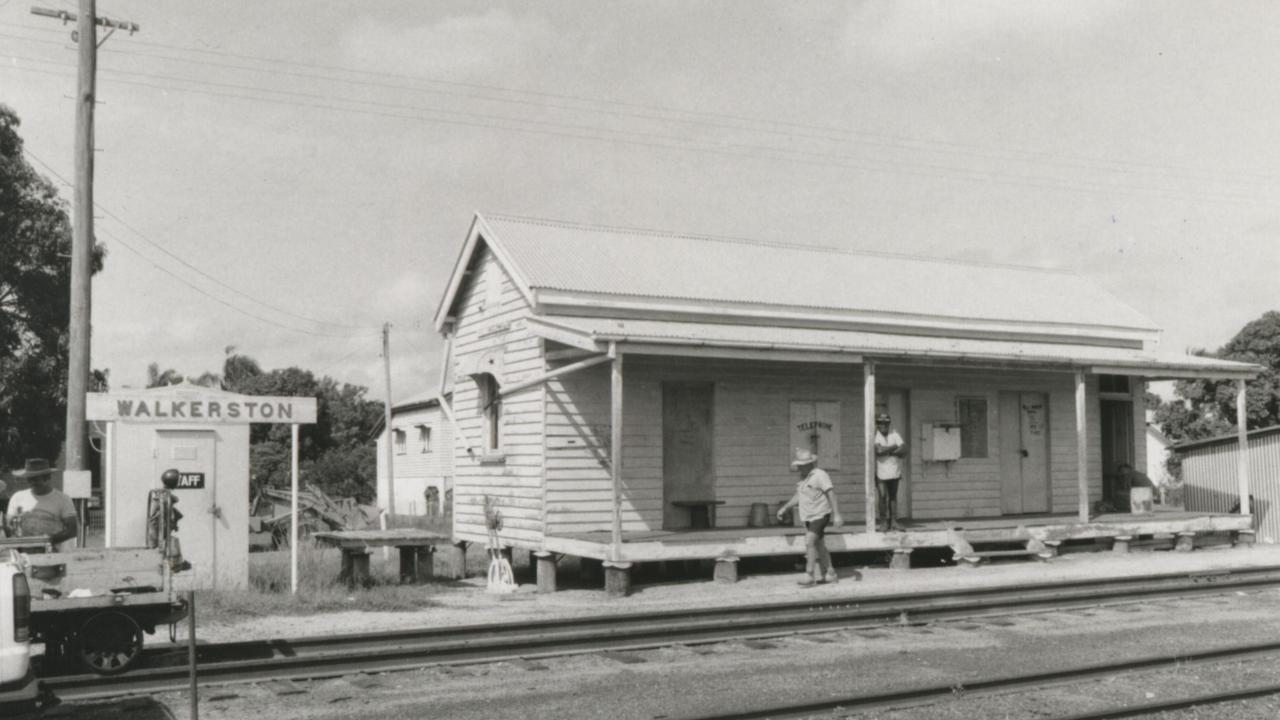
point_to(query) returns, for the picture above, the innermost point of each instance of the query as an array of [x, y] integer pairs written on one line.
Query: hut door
[[191, 452], [687, 469], [1024, 453]]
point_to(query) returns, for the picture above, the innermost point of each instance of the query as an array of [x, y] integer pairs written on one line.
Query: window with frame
[[1114, 384], [972, 415], [424, 438], [491, 410], [400, 438]]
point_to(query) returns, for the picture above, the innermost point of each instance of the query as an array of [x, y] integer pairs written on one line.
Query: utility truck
[[91, 606], [18, 686]]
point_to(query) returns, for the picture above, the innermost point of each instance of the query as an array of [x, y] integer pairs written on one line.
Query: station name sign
[[192, 407]]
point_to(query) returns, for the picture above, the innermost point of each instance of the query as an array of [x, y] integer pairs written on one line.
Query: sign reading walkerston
[[194, 407]]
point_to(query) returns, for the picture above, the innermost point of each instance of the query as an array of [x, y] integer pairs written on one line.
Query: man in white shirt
[[890, 449], [41, 510], [816, 498]]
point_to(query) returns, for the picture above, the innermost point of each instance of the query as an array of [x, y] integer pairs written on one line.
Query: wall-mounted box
[[941, 442]]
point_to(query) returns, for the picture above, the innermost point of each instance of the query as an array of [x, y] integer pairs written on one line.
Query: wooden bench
[[416, 548]]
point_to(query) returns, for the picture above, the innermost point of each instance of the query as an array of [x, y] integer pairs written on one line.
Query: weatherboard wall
[[489, 335], [416, 468], [752, 438]]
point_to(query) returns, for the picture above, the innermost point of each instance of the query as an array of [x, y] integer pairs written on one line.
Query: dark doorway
[[687, 467]]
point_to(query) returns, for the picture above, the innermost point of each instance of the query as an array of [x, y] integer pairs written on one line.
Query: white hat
[[804, 456]]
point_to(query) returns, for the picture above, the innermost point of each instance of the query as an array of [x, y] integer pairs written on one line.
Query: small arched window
[[490, 410]]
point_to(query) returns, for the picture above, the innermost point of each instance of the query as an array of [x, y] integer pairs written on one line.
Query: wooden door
[[687, 467], [1024, 453], [192, 453]]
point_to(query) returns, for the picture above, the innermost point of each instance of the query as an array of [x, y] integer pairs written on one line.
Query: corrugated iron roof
[[1186, 445], [563, 256], [882, 344]]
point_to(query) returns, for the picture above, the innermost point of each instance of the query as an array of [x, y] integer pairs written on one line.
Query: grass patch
[[318, 588]]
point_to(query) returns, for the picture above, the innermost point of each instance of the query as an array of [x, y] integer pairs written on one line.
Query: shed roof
[[596, 260], [1223, 439]]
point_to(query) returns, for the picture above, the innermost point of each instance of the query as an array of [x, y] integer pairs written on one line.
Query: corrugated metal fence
[[1209, 476]]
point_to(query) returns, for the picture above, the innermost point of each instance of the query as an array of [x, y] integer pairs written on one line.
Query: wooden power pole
[[86, 36], [391, 436]]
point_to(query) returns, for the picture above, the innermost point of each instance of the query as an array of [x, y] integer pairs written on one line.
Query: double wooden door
[[1024, 453]]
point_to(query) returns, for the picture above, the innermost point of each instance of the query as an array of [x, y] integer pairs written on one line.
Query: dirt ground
[[698, 681]]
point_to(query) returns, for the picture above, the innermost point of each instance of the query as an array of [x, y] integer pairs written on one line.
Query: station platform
[[1046, 530]]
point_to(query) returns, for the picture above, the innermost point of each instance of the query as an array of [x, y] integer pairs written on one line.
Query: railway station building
[[635, 396]]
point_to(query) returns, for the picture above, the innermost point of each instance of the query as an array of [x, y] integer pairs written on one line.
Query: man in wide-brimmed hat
[[816, 498], [40, 509]]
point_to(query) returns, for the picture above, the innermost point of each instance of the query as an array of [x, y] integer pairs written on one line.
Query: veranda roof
[[853, 345]]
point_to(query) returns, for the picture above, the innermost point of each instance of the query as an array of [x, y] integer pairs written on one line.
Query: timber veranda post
[[1242, 435], [615, 447], [1082, 448], [869, 440]]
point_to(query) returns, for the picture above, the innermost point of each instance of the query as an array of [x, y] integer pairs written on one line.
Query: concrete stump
[[1051, 549], [546, 565], [1186, 542], [726, 569], [617, 578], [969, 561], [901, 559], [1121, 543], [1246, 538]]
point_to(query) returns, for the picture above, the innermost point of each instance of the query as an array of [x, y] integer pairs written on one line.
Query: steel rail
[[313, 657], [931, 695], [1182, 703]]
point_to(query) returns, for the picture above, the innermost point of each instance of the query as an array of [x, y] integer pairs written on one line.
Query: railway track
[[319, 657], [927, 695]]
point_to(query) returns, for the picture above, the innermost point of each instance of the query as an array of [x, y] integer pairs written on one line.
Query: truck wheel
[[109, 643]]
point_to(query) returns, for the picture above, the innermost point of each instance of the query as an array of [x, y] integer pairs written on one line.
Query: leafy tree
[[35, 281], [1204, 408]]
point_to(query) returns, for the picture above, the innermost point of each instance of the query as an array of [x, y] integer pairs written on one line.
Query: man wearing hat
[[41, 510], [889, 451], [816, 498]]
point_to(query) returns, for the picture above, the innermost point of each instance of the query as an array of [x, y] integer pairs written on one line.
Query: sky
[[284, 178]]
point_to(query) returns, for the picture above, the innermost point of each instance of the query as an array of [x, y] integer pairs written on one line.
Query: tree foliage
[[35, 282], [336, 453], [1205, 408]]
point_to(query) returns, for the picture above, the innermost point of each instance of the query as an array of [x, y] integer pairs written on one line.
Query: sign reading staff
[[146, 407]]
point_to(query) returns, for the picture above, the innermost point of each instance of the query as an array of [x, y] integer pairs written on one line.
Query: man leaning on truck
[[40, 509]]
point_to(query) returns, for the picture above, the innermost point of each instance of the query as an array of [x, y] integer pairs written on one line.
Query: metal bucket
[[759, 516]]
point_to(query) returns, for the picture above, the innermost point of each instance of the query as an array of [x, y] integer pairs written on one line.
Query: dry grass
[[318, 588]]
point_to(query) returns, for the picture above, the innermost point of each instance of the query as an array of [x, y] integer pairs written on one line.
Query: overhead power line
[[655, 140], [197, 288], [741, 123]]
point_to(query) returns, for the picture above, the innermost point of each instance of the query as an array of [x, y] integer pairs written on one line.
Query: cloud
[[927, 30], [470, 45]]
